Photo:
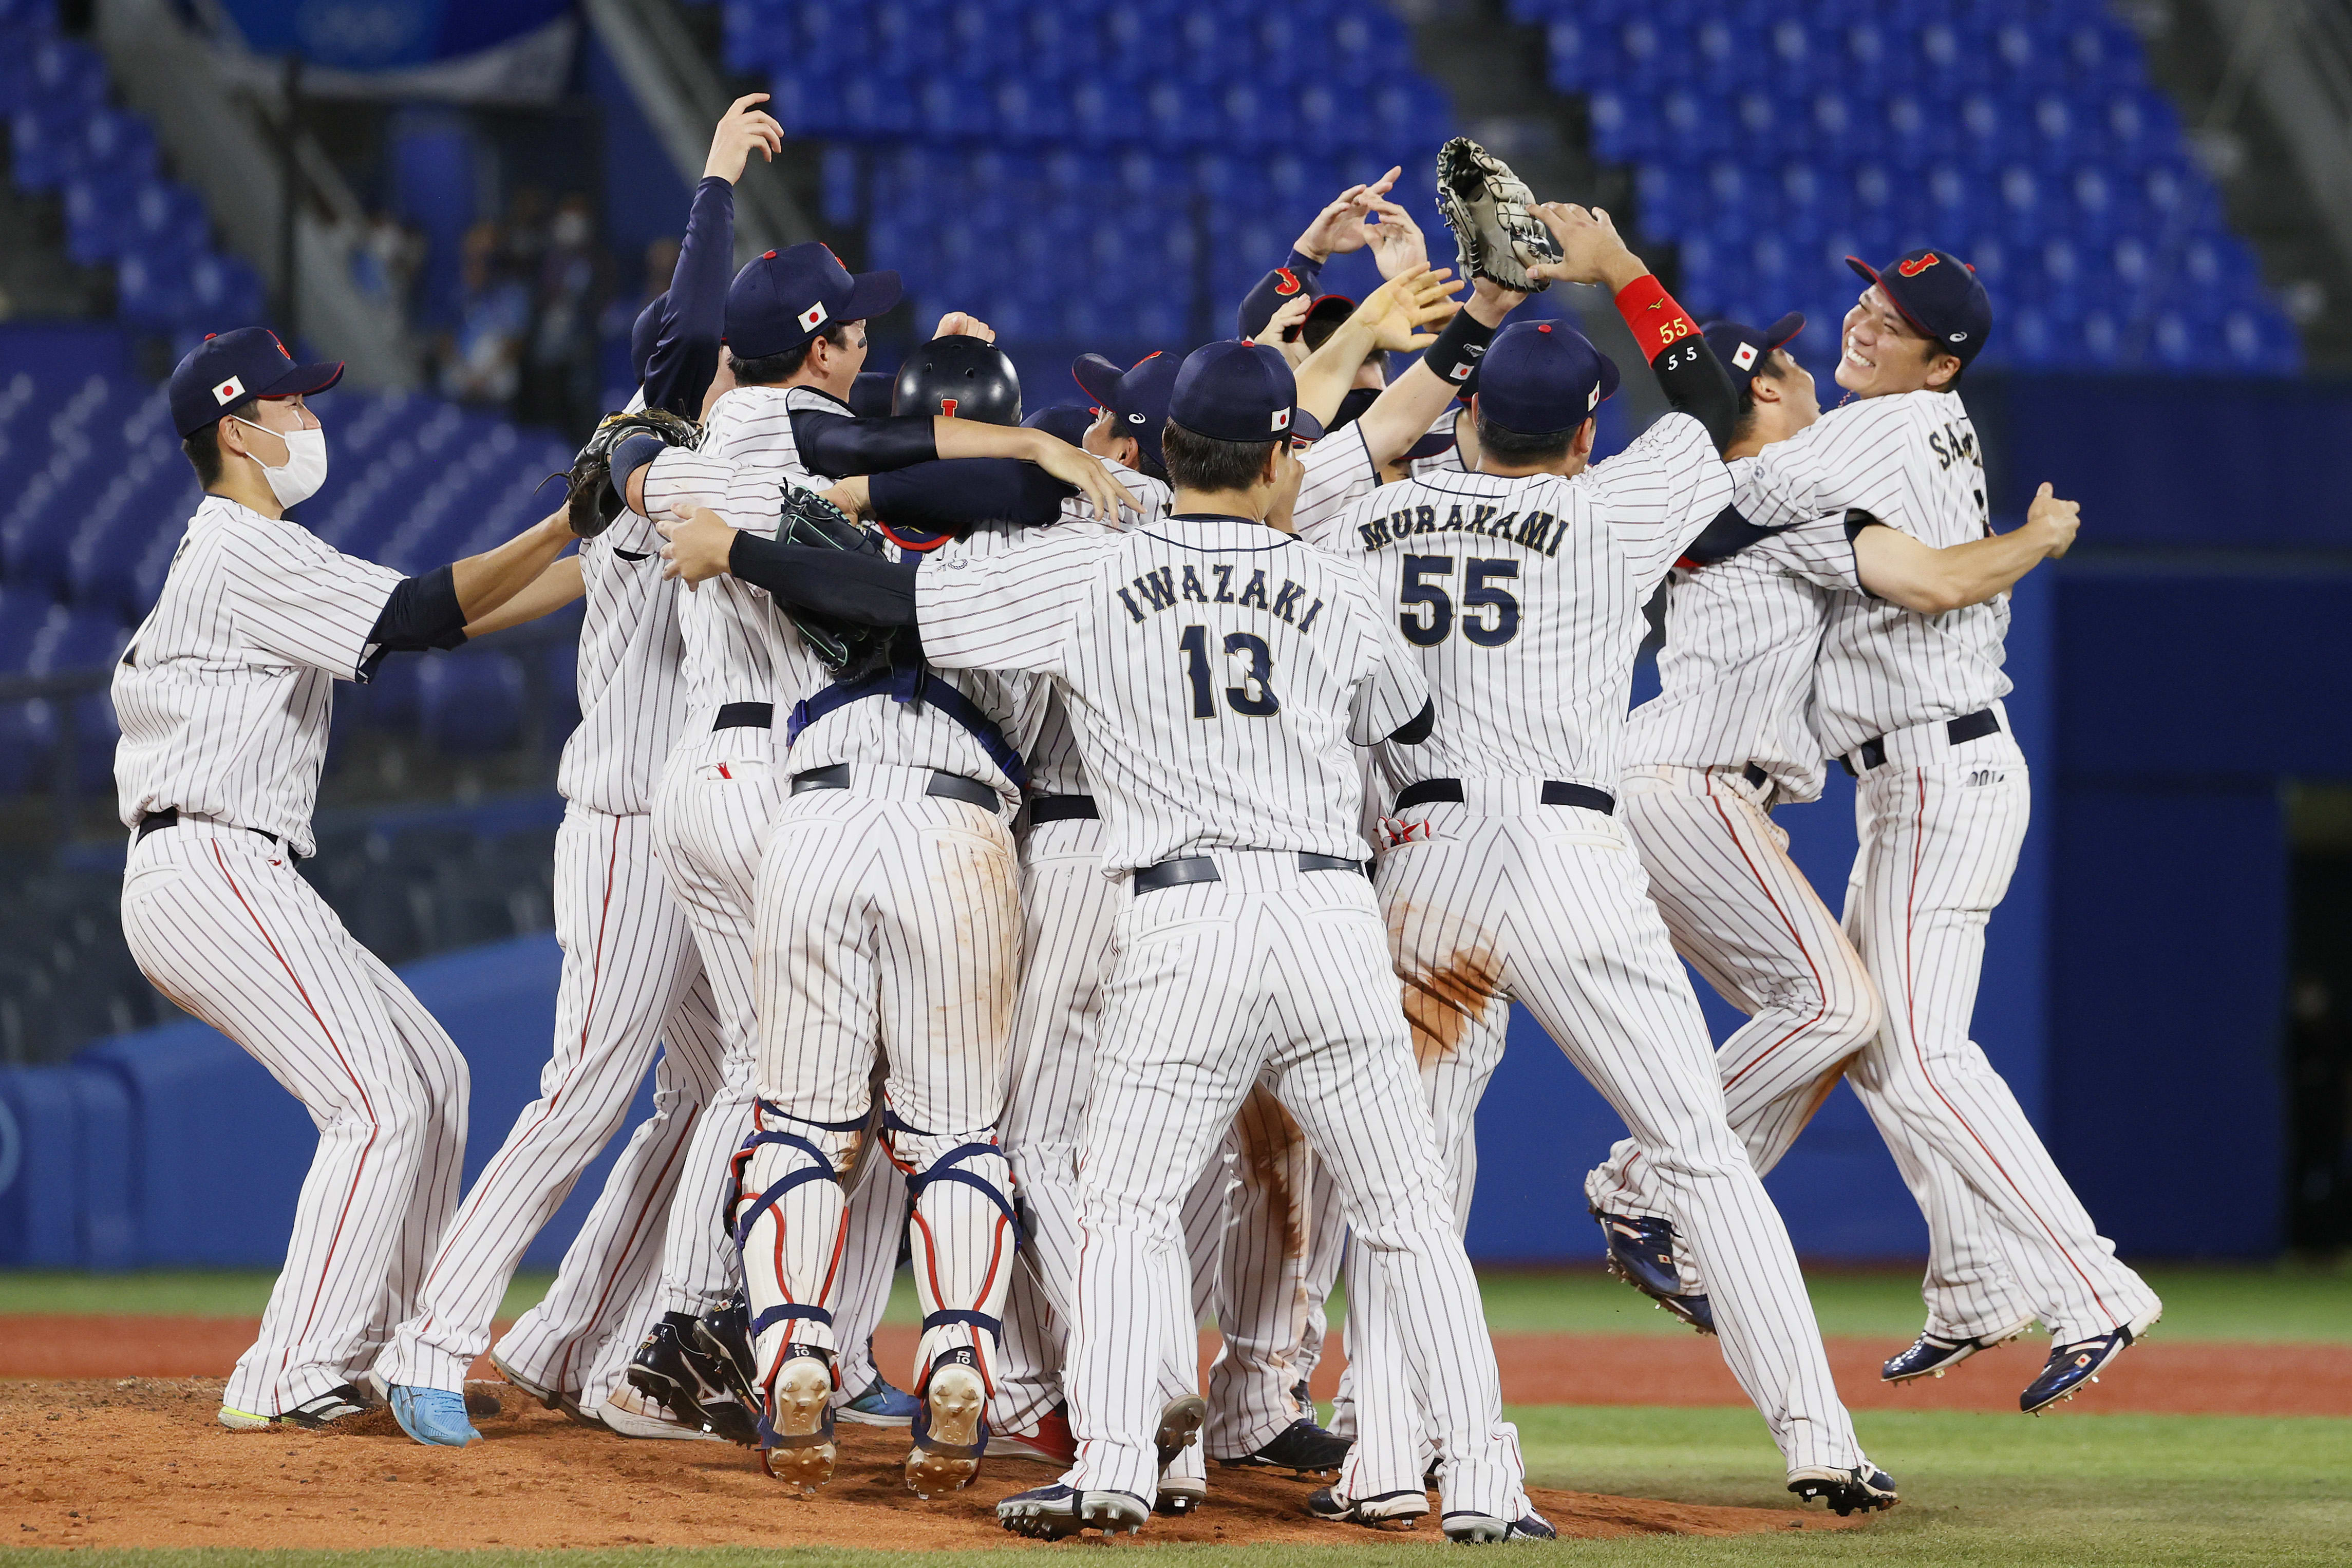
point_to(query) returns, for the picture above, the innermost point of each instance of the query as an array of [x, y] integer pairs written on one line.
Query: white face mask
[[298, 478]]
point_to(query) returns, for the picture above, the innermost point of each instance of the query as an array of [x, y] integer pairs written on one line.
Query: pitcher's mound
[[142, 1462]]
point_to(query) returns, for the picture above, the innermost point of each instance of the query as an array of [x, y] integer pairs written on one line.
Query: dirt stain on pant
[[1274, 1148], [1440, 1004]]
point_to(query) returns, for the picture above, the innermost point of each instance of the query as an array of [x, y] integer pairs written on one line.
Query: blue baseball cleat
[[1932, 1354], [882, 1404], [1056, 1512], [2071, 1367], [434, 1416], [1642, 1253]]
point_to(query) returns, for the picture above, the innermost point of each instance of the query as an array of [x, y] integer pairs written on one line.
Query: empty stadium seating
[[1770, 140]]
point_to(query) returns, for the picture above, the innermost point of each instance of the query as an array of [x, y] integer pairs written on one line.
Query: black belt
[[1201, 868], [1968, 726], [1555, 793], [1064, 809], [745, 715], [170, 817], [950, 786], [1756, 777]]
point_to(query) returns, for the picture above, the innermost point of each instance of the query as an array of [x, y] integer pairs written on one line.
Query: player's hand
[[1592, 250], [956, 324], [1104, 495], [700, 543], [854, 496], [741, 129], [2054, 520], [1281, 329], [1339, 227], [1397, 242], [1490, 302], [1400, 311]]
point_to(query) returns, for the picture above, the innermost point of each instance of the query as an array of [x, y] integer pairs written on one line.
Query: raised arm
[[548, 593], [1896, 568], [685, 356]]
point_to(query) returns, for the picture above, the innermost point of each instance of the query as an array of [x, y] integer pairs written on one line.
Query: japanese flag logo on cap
[[813, 318], [1281, 419], [228, 391], [1745, 357]]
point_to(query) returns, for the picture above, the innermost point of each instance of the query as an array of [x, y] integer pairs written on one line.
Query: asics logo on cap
[[1135, 419], [228, 391], [1743, 357], [813, 318], [1959, 337], [1281, 419], [1917, 265]]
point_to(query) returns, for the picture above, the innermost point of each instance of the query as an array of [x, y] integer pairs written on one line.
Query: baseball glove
[[1488, 209], [590, 500], [808, 519]]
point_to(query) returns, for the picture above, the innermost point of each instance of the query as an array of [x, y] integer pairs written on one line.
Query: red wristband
[[1658, 323]]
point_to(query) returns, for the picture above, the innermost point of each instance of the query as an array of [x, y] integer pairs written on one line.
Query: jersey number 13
[[1253, 698]]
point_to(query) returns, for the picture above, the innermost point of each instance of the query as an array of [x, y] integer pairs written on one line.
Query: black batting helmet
[[960, 377]]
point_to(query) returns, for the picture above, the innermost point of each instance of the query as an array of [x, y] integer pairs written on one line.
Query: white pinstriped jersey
[[1338, 469], [1054, 765], [632, 683], [1912, 462], [1736, 674], [1216, 673], [1523, 598], [225, 691]]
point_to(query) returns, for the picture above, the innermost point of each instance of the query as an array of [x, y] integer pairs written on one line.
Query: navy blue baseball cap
[[1064, 421], [1137, 396], [1542, 376], [228, 369], [1240, 392], [1937, 293], [782, 300], [1743, 349]]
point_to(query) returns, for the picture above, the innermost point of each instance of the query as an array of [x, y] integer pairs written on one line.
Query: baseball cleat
[[537, 1390], [1642, 1253], [309, 1415], [672, 1378], [1483, 1528], [1050, 1441], [434, 1416], [633, 1413], [1386, 1510], [1932, 1354], [2071, 1367], [1303, 1448], [1055, 1513], [1180, 1426], [882, 1404], [949, 1432], [1178, 1496], [1862, 1487], [796, 1444], [723, 1339]]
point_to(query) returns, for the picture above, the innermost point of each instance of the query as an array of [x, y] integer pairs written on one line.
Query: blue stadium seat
[[469, 704]]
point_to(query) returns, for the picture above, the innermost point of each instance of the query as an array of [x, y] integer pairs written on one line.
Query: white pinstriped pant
[[221, 923], [718, 795], [1501, 897], [1272, 969], [1245, 1221], [1940, 834], [630, 979], [888, 931], [1745, 916]]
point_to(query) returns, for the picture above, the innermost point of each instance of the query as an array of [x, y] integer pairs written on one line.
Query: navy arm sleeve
[[946, 495], [838, 445], [1419, 727], [686, 354], [1696, 383], [423, 612], [847, 585], [1725, 537]]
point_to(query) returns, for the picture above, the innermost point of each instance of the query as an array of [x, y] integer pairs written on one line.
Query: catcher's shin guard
[[786, 1209], [965, 1237]]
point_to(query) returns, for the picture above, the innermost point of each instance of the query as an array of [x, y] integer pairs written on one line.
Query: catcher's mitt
[[590, 500], [808, 519], [1489, 210]]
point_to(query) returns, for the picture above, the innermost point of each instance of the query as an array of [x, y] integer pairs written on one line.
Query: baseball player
[[1909, 699], [630, 971], [1724, 743], [1507, 875], [224, 697]]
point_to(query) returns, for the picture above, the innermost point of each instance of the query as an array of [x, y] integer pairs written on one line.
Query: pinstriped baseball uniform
[[1215, 673], [1241, 1216], [1524, 598], [1941, 823], [631, 978], [1735, 677], [718, 795], [223, 698]]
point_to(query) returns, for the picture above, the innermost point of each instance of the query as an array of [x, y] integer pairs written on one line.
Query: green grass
[[2103, 1491], [2286, 1302]]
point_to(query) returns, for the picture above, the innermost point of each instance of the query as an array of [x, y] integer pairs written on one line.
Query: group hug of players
[[1101, 864]]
